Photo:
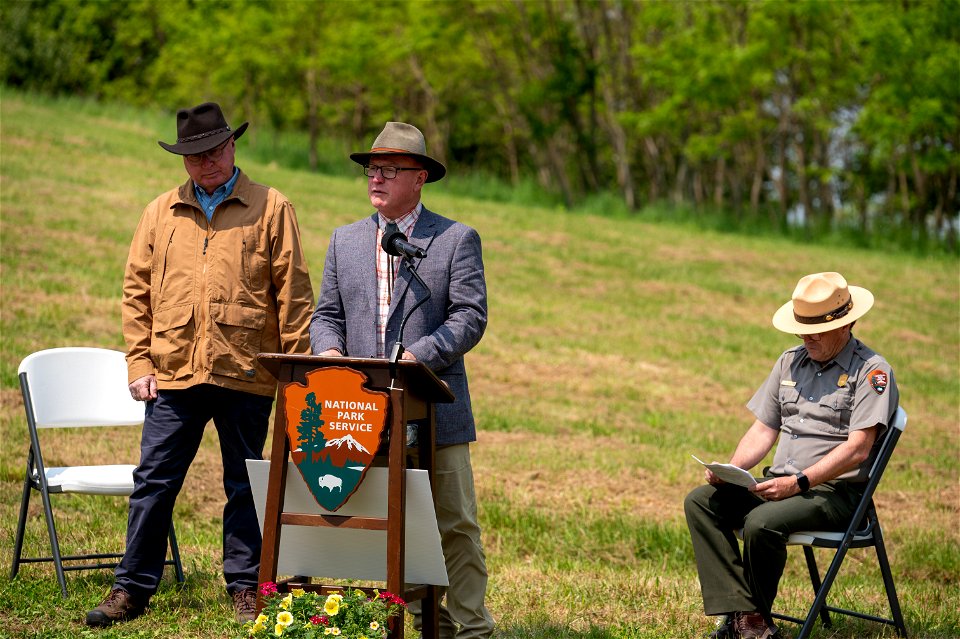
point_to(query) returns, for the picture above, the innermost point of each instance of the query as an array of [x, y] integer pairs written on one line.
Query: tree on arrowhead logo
[[334, 426]]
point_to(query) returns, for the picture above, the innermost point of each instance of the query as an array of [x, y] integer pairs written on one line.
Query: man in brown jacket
[[215, 275]]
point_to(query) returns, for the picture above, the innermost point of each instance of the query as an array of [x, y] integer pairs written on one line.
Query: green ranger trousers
[[747, 582]]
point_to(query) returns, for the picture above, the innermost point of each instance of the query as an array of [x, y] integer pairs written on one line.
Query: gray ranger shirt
[[815, 406]]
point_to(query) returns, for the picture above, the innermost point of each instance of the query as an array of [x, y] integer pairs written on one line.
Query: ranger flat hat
[[822, 302], [200, 129], [400, 138]]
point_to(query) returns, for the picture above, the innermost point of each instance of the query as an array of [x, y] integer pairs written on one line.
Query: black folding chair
[[864, 531]]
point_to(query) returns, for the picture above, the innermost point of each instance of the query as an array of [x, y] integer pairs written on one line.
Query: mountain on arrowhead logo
[[345, 451], [334, 426], [349, 442]]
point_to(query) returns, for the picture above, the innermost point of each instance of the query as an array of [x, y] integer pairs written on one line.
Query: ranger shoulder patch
[[878, 380]]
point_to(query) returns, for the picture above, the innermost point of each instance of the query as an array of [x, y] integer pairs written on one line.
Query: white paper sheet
[[347, 553], [730, 473]]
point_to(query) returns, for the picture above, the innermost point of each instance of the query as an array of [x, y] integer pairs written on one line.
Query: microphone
[[396, 244]]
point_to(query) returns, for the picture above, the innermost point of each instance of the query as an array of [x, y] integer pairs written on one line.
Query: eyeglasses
[[388, 172], [213, 155], [813, 337]]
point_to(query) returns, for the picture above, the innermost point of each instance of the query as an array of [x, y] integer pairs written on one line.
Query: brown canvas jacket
[[200, 299]]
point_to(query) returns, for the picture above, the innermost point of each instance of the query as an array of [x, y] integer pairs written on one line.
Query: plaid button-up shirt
[[387, 266]]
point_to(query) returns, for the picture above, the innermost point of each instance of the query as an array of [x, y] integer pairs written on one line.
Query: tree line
[[818, 113]]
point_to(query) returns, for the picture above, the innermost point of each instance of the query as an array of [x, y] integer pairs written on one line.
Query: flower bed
[[308, 615]]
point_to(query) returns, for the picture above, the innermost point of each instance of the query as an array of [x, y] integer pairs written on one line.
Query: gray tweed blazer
[[438, 333]]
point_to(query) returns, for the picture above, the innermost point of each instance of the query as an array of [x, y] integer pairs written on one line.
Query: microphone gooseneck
[[396, 244]]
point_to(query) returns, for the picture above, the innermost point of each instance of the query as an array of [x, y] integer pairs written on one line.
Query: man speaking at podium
[[366, 294]]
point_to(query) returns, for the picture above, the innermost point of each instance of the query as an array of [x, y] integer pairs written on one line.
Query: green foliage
[[818, 115]]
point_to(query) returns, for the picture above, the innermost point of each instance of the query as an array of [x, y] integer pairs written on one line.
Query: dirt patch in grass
[[909, 336], [539, 473]]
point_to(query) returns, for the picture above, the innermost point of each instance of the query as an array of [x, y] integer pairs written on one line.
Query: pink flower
[[316, 620], [392, 598], [268, 588]]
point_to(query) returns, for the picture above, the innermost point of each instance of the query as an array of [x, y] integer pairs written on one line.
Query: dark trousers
[[172, 432], [748, 582]]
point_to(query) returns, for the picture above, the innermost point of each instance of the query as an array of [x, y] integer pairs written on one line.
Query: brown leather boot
[[245, 604], [752, 625], [119, 605]]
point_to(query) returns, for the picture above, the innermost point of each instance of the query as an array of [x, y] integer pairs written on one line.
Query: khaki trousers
[[463, 615]]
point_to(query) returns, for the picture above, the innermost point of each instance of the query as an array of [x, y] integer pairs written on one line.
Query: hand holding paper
[[730, 473]]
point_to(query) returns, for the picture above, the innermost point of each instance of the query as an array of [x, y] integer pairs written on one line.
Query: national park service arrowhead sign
[[334, 426]]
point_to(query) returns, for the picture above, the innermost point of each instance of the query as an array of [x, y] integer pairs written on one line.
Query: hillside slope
[[614, 350]]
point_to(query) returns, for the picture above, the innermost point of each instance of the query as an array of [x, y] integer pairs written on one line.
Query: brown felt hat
[[400, 138], [822, 302], [200, 129]]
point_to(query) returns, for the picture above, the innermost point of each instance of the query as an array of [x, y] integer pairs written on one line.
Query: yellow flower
[[374, 625], [327, 631], [261, 619], [335, 631], [298, 592], [287, 602], [278, 630], [331, 606], [284, 619]]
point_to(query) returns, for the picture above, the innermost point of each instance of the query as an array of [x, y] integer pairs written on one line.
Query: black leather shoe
[[725, 629]]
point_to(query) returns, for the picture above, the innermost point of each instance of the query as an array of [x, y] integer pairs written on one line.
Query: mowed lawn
[[615, 349]]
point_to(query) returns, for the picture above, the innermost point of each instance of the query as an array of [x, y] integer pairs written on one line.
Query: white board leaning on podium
[[350, 553]]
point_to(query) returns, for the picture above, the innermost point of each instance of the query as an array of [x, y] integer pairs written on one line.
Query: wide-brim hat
[[200, 129], [400, 138], [822, 302]]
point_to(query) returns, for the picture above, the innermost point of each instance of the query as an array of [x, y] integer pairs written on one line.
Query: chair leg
[[817, 584], [888, 582], [54, 542], [821, 600], [21, 527], [175, 554]]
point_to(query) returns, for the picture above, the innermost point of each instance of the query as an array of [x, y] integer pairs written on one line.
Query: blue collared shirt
[[209, 203]]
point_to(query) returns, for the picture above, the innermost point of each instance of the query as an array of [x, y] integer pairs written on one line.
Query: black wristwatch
[[802, 482]]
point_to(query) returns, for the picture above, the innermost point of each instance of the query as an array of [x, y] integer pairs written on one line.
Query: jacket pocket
[[160, 267], [236, 346], [253, 263], [171, 343]]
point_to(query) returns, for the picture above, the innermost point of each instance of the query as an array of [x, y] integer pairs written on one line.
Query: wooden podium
[[413, 389]]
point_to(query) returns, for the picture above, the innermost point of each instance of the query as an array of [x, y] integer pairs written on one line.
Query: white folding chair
[[863, 532], [76, 387]]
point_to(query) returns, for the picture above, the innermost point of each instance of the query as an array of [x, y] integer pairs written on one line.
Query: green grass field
[[615, 349]]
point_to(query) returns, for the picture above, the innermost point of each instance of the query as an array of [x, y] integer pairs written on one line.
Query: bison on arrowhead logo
[[334, 426]]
